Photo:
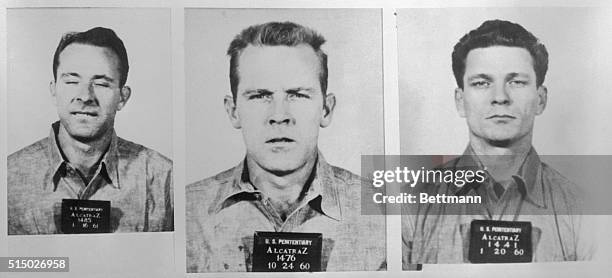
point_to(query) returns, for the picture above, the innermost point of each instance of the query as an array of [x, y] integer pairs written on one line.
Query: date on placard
[[287, 252], [500, 242], [85, 216]]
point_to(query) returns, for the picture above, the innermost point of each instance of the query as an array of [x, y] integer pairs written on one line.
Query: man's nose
[[86, 93], [280, 112], [500, 94]]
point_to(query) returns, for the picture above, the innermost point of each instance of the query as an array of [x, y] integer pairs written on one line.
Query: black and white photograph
[[292, 98], [72, 88], [190, 138], [502, 87], [89, 145]]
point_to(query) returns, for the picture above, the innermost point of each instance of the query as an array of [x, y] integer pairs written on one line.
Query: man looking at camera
[[500, 69], [278, 78]]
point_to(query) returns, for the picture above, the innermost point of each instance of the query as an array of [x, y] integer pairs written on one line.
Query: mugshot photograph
[[284, 196], [505, 89], [73, 85]]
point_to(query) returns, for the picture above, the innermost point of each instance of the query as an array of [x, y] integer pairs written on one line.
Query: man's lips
[[86, 113], [280, 140], [501, 116]]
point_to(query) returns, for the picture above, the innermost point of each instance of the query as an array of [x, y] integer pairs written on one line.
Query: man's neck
[[82, 155], [283, 191], [501, 160]]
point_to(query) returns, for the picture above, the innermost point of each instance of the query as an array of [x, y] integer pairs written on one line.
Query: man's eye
[[71, 82], [260, 96], [480, 84], [105, 85], [298, 95], [518, 83]]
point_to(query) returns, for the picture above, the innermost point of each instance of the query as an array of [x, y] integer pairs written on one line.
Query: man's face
[[87, 93], [500, 98], [279, 106]]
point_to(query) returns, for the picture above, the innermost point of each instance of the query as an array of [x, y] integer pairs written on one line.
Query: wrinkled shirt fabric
[[224, 211], [136, 180], [439, 233]]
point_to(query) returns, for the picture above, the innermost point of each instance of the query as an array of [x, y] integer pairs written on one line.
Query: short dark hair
[[98, 36], [504, 33], [273, 34]]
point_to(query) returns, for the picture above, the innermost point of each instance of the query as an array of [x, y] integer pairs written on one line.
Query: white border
[[178, 81], [3, 138], [391, 112]]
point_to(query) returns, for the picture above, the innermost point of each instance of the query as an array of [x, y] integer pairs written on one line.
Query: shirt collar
[[528, 178], [58, 163], [322, 194]]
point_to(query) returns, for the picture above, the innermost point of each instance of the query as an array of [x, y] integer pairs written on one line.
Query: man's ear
[[124, 94], [459, 103], [543, 98], [328, 109], [230, 108], [52, 88]]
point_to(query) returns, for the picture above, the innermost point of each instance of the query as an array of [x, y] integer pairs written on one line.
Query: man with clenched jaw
[[87, 96], [500, 69], [83, 158], [279, 101], [279, 112]]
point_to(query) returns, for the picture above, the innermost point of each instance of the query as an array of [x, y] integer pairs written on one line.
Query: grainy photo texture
[[531, 212], [282, 206], [82, 177]]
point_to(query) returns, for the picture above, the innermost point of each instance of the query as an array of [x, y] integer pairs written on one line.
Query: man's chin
[[85, 138], [281, 165], [84, 135], [281, 169], [500, 143], [84, 131], [501, 139]]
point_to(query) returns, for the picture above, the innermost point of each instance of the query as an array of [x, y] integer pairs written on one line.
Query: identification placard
[[500, 242], [287, 252], [85, 216]]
